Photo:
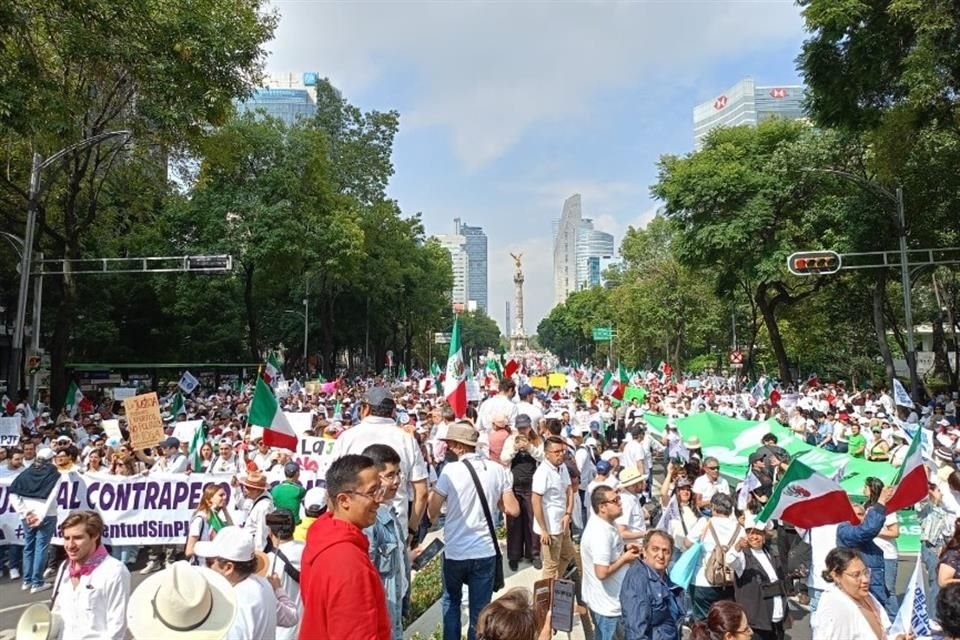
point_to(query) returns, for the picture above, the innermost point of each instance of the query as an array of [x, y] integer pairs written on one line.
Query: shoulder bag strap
[[733, 538], [288, 568], [56, 588], [486, 508], [713, 532]]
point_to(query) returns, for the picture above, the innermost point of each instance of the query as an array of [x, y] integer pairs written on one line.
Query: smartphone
[[432, 550]]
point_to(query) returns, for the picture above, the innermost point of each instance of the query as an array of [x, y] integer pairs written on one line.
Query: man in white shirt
[[469, 551], [253, 491], [634, 453], [92, 587], [526, 405], [709, 484], [605, 559], [632, 522], [553, 509], [263, 458], [379, 427], [262, 606], [228, 461], [500, 403]]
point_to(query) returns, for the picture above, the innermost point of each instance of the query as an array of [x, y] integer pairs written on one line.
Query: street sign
[[736, 357], [441, 338], [602, 334]]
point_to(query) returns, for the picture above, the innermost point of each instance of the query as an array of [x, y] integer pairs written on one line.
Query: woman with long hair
[[726, 620], [210, 517], [948, 566], [682, 495], [206, 458], [95, 463], [847, 610], [887, 541]]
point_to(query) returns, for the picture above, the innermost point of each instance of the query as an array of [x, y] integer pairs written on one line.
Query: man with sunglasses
[[342, 594], [605, 559], [709, 484]]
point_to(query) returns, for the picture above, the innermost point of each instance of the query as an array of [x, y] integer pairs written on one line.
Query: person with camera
[[522, 452]]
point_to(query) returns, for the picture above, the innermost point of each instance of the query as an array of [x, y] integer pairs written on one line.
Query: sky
[[509, 107]]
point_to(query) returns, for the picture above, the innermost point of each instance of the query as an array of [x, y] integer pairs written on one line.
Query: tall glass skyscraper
[[476, 249], [577, 251], [746, 103], [284, 96]]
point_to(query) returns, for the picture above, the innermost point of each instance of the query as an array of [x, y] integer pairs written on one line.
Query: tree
[[568, 330], [478, 332], [72, 70], [743, 205]]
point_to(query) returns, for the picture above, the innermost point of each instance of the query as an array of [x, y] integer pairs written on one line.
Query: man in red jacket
[[341, 590]]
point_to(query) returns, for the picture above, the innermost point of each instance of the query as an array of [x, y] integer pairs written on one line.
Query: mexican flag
[[665, 371], [178, 406], [455, 383], [493, 366], [195, 444], [805, 498], [609, 384], [75, 401], [911, 479], [402, 373], [271, 373], [265, 412]]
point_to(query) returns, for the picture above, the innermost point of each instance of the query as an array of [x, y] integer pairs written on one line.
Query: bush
[[427, 589]]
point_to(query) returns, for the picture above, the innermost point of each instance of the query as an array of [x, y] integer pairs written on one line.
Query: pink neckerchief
[[85, 569]]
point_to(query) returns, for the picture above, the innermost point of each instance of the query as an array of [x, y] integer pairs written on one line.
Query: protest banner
[[314, 455], [136, 510], [539, 382], [557, 380], [638, 393], [10, 431], [312, 387], [300, 421], [143, 420], [112, 429], [184, 431], [122, 393], [473, 391]]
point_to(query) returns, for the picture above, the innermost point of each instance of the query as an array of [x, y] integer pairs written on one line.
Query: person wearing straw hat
[[264, 604], [253, 490], [183, 602], [91, 588]]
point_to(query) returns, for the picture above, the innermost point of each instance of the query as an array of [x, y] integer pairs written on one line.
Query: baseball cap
[[46, 453], [291, 469], [525, 390], [603, 467], [522, 420], [170, 442], [380, 397]]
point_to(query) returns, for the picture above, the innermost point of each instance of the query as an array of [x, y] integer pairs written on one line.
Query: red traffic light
[[808, 263]]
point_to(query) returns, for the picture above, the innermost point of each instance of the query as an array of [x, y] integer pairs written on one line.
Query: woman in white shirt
[[847, 610], [725, 531]]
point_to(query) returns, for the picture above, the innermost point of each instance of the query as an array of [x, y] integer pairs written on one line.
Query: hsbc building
[[746, 103]]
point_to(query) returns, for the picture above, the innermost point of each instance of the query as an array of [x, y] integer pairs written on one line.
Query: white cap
[[316, 496], [608, 455], [232, 543], [45, 453]]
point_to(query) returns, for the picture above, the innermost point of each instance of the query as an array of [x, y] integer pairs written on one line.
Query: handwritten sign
[[10, 431], [112, 429], [144, 421], [314, 454]]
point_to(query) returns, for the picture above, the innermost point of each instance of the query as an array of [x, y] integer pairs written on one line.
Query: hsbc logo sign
[[720, 103], [778, 92]]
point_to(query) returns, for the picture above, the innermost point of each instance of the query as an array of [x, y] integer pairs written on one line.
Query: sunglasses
[[711, 468]]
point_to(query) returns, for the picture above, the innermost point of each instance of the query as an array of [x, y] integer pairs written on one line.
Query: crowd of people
[[586, 489]]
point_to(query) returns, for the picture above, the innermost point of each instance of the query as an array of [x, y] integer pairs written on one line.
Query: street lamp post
[[26, 257], [897, 199], [306, 327]]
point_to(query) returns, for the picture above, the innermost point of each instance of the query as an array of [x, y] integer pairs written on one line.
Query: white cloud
[[489, 71]]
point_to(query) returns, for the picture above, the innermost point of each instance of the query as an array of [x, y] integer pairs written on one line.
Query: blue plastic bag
[[687, 565]]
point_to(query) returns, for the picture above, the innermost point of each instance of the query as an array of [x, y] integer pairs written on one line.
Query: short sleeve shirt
[[551, 483], [601, 544]]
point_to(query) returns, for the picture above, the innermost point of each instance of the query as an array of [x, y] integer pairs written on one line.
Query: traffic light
[[808, 263]]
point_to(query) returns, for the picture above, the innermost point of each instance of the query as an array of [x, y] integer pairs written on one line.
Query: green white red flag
[[455, 381], [75, 401], [265, 412], [805, 498], [271, 372], [911, 480]]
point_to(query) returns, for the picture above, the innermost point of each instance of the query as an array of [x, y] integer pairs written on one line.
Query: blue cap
[[291, 469], [603, 467], [525, 390]]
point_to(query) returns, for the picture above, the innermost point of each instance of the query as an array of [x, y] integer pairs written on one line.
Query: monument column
[[518, 341]]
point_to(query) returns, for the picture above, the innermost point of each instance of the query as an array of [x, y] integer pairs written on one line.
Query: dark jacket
[[652, 606], [860, 537], [754, 591]]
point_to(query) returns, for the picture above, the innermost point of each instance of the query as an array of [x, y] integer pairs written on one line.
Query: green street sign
[[602, 334]]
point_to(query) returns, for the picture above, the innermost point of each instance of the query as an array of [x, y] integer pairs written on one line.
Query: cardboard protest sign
[[144, 421], [112, 429], [10, 431]]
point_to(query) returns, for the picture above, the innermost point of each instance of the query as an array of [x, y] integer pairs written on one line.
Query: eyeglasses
[[859, 575], [376, 494]]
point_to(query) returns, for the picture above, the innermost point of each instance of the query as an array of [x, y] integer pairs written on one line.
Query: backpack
[[715, 568]]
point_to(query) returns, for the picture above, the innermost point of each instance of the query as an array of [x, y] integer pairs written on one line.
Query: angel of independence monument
[[518, 339]]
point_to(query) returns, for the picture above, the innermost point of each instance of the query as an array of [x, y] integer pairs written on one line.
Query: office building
[[746, 103], [460, 262], [578, 249], [476, 248], [285, 96]]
